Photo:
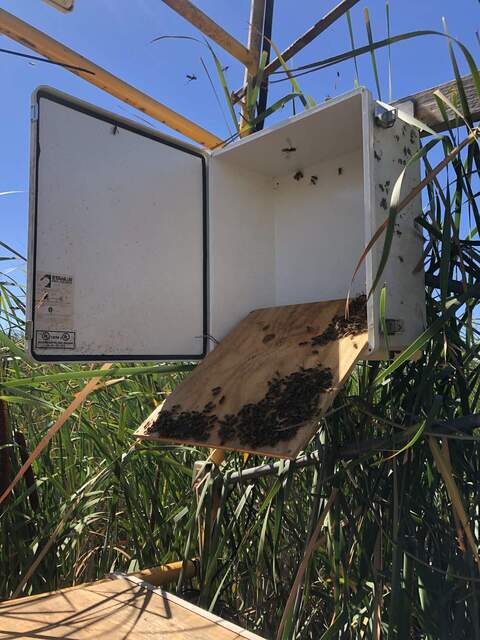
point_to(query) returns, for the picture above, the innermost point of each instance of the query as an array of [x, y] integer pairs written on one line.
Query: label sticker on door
[[53, 301], [54, 339], [53, 311]]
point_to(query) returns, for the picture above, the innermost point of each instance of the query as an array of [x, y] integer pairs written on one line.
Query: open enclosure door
[[117, 246]]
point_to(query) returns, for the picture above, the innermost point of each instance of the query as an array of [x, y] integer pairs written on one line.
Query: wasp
[[337, 78], [289, 149], [208, 407]]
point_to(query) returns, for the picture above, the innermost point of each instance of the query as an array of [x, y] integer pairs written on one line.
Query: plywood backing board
[[114, 609], [270, 342]]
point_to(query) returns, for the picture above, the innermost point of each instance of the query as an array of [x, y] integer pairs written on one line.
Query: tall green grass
[[397, 552]]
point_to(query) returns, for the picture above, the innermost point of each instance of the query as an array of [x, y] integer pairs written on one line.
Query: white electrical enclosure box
[[143, 247]]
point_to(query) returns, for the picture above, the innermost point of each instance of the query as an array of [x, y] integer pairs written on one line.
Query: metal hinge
[[385, 118], [28, 330], [34, 112]]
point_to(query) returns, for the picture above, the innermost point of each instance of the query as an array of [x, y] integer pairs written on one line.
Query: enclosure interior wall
[[292, 208]]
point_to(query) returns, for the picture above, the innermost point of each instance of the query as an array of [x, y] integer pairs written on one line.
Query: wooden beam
[[255, 41], [61, 5], [426, 108], [314, 31], [255, 33], [32, 38], [212, 30]]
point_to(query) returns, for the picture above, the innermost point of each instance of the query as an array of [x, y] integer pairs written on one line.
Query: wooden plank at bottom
[[266, 373], [115, 609]]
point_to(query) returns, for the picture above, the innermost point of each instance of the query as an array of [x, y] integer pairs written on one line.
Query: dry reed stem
[[79, 399], [305, 560], [44, 550], [454, 494], [458, 524]]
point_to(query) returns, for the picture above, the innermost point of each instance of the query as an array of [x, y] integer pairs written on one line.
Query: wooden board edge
[[207, 445], [193, 608]]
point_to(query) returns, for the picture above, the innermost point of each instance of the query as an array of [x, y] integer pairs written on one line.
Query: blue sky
[[116, 34]]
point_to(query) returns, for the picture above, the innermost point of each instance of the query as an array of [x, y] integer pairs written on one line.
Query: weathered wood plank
[[426, 108], [115, 609]]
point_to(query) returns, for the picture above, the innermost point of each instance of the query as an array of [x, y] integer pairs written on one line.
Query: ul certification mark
[[54, 339]]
